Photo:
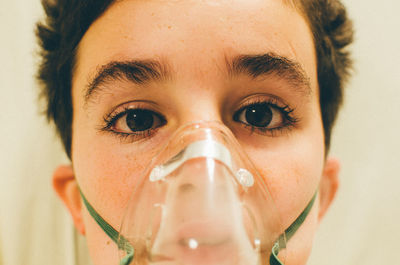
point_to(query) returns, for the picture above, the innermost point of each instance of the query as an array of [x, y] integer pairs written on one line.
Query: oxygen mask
[[201, 202]]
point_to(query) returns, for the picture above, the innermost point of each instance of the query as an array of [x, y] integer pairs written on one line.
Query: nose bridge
[[201, 110], [199, 103]]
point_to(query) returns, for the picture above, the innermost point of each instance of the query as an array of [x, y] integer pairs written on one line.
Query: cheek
[[292, 169], [102, 249], [107, 174], [299, 247]]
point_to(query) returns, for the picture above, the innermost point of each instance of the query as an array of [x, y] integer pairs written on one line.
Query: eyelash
[[289, 121], [111, 119]]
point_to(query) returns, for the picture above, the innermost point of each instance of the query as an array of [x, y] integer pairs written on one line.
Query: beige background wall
[[361, 228]]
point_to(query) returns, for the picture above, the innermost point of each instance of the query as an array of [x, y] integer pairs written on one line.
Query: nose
[[195, 106]]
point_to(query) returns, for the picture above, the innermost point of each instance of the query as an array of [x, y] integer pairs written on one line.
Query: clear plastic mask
[[201, 201]]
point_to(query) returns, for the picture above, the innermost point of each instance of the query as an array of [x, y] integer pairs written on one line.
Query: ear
[[328, 185], [64, 183]]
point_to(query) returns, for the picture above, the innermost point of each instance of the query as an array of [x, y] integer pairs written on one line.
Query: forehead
[[203, 31]]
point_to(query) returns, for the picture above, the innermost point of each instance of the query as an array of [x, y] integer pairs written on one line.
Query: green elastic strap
[[289, 232], [124, 244]]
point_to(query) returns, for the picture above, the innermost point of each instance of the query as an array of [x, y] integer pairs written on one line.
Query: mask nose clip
[[204, 148]]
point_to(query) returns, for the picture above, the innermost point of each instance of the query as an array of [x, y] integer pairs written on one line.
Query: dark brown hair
[[67, 21]]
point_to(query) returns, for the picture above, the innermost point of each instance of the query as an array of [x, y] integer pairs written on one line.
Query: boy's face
[[197, 43]]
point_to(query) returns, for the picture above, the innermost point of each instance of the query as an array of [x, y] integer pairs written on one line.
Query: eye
[[135, 122], [264, 116]]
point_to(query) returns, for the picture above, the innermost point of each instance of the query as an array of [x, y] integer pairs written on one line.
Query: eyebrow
[[268, 64], [139, 72]]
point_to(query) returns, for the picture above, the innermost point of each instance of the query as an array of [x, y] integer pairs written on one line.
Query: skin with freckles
[[196, 43]]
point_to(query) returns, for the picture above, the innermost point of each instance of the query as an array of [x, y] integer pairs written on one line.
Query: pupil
[[259, 115], [139, 120]]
